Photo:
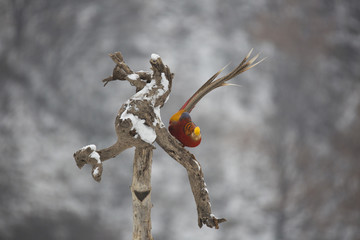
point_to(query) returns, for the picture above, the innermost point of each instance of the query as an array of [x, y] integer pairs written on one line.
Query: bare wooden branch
[[138, 124], [123, 72], [195, 174]]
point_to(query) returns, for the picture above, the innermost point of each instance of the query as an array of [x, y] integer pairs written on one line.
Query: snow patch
[[143, 94], [91, 146], [133, 76], [154, 56], [96, 156], [96, 172], [165, 84], [158, 117], [146, 133]]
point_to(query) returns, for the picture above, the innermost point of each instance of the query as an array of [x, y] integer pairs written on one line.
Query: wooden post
[[141, 193]]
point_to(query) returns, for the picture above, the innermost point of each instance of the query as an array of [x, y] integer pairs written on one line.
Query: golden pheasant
[[181, 126]]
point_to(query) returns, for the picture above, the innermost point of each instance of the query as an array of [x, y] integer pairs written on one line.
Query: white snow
[[91, 146], [154, 56], [146, 133], [96, 172], [133, 76], [158, 117], [96, 156], [143, 93], [165, 84]]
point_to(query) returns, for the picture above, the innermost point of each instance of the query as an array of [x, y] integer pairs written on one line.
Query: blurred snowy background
[[281, 155]]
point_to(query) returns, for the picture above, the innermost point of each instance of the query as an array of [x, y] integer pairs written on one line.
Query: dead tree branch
[[138, 124], [195, 174]]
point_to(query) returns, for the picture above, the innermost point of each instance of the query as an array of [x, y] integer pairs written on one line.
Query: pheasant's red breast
[[184, 130]]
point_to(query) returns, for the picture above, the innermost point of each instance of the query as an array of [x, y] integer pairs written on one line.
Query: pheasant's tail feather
[[251, 64], [213, 83], [231, 84], [205, 85]]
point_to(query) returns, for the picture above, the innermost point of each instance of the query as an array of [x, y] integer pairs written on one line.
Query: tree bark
[[141, 193]]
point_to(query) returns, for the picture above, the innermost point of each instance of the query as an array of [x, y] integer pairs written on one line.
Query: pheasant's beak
[[197, 131], [196, 135]]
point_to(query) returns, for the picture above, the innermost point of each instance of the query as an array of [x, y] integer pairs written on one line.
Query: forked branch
[[138, 124]]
